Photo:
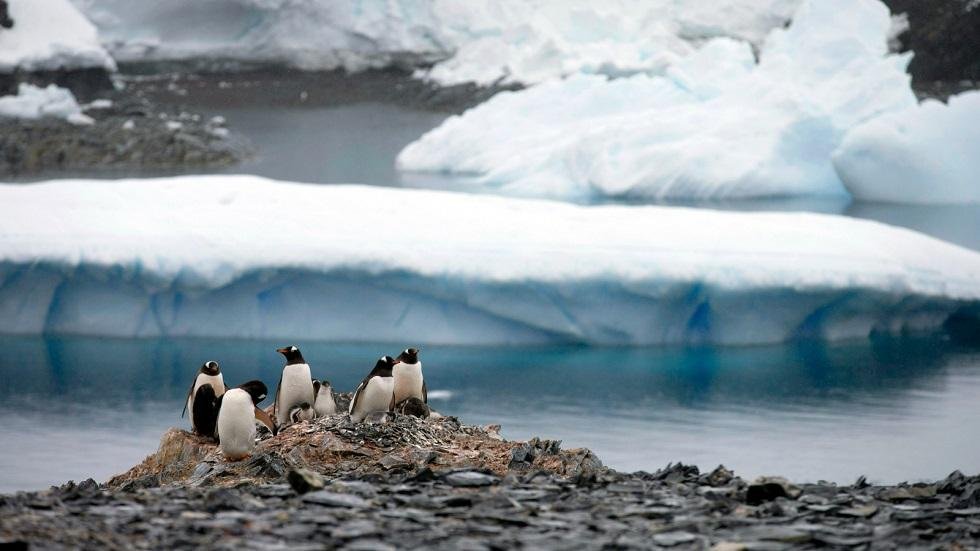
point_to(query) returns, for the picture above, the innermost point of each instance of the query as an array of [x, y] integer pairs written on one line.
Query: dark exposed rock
[[944, 36], [305, 480]]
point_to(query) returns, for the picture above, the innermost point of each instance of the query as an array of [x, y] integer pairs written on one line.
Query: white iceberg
[[483, 41], [715, 125], [32, 102], [50, 35], [927, 153], [248, 257]]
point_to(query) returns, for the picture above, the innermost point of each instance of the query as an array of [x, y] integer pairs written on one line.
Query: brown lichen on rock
[[337, 447]]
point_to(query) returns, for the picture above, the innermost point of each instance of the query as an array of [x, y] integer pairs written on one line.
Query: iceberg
[[927, 153], [242, 256], [717, 124], [484, 41], [32, 102], [50, 35]]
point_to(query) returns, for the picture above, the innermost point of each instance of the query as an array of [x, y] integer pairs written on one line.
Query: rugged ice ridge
[[50, 35], [927, 153], [248, 257], [485, 41], [716, 125], [32, 102]]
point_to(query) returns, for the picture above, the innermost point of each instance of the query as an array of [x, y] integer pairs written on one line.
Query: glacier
[[50, 35], [33, 102], [717, 124], [243, 256], [927, 153], [486, 41]]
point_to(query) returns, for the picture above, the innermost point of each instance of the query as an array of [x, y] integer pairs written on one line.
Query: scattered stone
[[305, 480], [769, 488], [334, 499], [470, 479]]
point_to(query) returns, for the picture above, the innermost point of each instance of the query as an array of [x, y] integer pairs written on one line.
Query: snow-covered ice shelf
[[50, 35], [32, 102], [248, 257]]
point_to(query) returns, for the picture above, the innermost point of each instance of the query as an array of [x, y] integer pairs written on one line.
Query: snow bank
[[928, 153], [50, 35], [716, 125], [484, 41], [32, 102], [248, 257]]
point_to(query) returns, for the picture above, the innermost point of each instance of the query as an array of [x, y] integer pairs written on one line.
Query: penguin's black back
[[205, 413]]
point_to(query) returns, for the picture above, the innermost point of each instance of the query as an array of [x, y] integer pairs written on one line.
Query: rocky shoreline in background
[[403, 482]]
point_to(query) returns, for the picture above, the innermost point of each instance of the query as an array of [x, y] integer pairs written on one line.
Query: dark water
[[74, 408]]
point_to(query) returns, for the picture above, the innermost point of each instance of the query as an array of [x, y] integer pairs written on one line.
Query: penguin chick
[[324, 403], [374, 392], [302, 412], [204, 415], [295, 385], [414, 407], [236, 424]]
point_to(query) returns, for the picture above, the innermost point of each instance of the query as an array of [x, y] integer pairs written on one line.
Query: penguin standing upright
[[407, 376], [374, 392], [236, 424], [210, 386], [295, 385], [324, 403]]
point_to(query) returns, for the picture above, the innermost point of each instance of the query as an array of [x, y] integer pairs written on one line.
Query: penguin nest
[[335, 446]]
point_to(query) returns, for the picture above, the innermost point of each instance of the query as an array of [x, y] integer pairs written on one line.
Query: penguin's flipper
[[425, 393], [357, 395], [189, 392], [266, 420], [391, 404], [275, 405]]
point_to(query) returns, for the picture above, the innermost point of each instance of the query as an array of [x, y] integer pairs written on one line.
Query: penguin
[[236, 424], [209, 374], [407, 376], [324, 403], [375, 391], [295, 385], [204, 415], [302, 412], [258, 391]]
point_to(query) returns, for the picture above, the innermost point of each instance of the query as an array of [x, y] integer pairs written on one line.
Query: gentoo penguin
[[236, 424], [209, 374], [302, 412], [258, 391], [374, 392], [204, 415], [324, 404], [407, 375], [295, 385]]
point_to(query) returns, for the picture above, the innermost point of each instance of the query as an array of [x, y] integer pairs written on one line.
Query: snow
[[927, 153], [715, 125], [50, 35], [32, 102], [248, 257], [484, 41]]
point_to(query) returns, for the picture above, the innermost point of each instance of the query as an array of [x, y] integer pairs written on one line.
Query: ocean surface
[[74, 408]]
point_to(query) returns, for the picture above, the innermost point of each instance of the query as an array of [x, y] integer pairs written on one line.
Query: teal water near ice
[[897, 410]]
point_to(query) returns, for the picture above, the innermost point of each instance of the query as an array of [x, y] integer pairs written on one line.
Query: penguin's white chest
[[217, 382], [408, 381], [325, 404], [373, 396], [236, 424], [297, 387]]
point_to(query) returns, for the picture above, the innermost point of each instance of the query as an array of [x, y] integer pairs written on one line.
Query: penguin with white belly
[[236, 419], [407, 378], [374, 392], [324, 403], [295, 385], [202, 398]]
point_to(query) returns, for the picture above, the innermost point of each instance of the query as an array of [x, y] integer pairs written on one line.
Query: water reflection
[[77, 407]]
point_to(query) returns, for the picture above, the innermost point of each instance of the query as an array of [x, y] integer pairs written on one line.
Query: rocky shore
[[402, 482]]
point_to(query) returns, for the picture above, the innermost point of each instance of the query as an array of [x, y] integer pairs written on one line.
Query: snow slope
[[32, 102], [484, 41], [715, 125], [50, 35], [927, 153], [248, 257]]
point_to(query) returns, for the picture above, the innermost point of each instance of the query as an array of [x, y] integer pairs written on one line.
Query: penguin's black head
[[382, 368], [292, 354], [210, 368], [256, 389], [316, 387], [408, 356]]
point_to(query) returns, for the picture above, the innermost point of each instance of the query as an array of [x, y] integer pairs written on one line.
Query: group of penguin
[[229, 415]]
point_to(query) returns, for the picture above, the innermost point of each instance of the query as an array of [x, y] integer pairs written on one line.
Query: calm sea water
[[897, 410]]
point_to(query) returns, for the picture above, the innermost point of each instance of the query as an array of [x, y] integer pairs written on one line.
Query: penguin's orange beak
[[282, 350]]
